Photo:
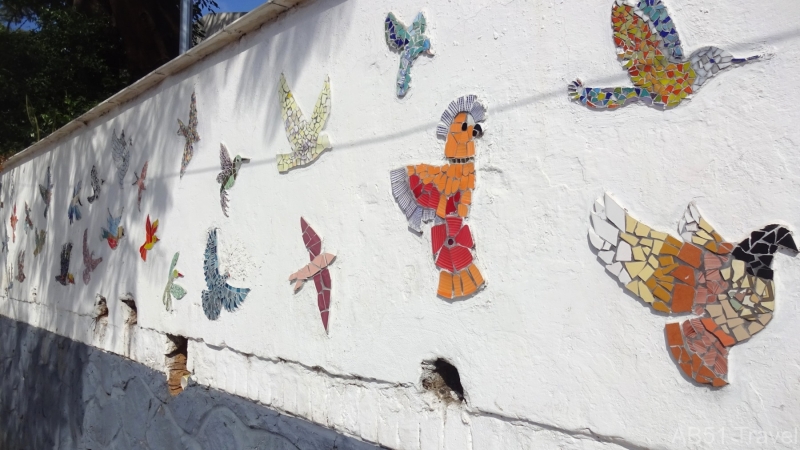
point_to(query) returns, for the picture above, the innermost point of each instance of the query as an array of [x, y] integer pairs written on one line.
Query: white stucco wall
[[552, 352]]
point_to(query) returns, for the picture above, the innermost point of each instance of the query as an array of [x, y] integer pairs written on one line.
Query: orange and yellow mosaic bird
[[443, 195], [150, 238]]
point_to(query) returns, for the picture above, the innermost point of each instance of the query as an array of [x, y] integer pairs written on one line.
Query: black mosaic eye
[[464, 126], [477, 131]]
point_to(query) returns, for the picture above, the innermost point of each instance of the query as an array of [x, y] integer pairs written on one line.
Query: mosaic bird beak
[[787, 241]]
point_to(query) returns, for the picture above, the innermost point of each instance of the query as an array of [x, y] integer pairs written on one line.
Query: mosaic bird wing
[[417, 198], [293, 120], [322, 109], [311, 240], [644, 32], [225, 164], [177, 291], [657, 268], [144, 171], [396, 33], [322, 281]]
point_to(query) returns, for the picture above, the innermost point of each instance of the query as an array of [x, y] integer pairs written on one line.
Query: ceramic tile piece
[[439, 193], [227, 177], [40, 237], [410, 42], [728, 286], [173, 289], [89, 261], [190, 134], [219, 293], [13, 221], [650, 50], [307, 140], [317, 270], [150, 238]]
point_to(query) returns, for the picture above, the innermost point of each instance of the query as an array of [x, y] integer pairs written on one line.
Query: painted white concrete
[[552, 352]]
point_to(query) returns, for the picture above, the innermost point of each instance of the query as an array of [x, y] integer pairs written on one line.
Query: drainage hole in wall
[[441, 378], [177, 353]]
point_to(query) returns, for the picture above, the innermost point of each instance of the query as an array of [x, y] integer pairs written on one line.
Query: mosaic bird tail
[[697, 351], [223, 201]]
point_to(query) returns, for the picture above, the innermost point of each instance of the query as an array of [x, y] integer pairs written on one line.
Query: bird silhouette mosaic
[[443, 195], [173, 289], [650, 50], [410, 42], [227, 177], [115, 232], [121, 154], [306, 137], [728, 286], [150, 237], [89, 261], [74, 211], [316, 270], [219, 294], [96, 183], [140, 183], [46, 191], [189, 132], [65, 277]]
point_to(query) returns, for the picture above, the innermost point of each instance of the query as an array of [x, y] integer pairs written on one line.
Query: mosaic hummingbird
[[28, 221], [46, 190], [96, 183], [14, 221], [121, 154], [89, 261], [230, 170], [73, 211], [411, 42], [172, 289], [190, 133], [150, 238], [650, 50]]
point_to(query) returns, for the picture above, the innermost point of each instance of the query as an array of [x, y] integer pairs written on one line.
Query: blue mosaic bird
[[411, 42], [74, 212], [219, 294]]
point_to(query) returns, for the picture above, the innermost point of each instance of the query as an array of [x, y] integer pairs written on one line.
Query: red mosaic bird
[[150, 239], [729, 287]]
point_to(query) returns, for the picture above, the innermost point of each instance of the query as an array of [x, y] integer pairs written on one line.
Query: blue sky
[[238, 5]]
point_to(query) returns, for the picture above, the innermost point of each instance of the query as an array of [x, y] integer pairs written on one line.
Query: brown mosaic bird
[[729, 287]]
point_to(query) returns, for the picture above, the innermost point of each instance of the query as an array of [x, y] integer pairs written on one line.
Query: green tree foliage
[[60, 58]]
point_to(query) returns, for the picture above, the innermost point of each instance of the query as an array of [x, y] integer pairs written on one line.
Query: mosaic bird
[[650, 50], [65, 277], [306, 138], [21, 266], [9, 279], [40, 236], [230, 170], [411, 42], [190, 133], [140, 182], [443, 194], [121, 154], [28, 221], [729, 287], [219, 294], [114, 232], [172, 289], [96, 183], [317, 270], [14, 221], [74, 212], [89, 263], [4, 240], [150, 238], [46, 190]]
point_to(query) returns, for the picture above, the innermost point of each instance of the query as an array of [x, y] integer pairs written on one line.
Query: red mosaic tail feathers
[[698, 352]]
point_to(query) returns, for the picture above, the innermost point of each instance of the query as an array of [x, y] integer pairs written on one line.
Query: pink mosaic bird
[[317, 270]]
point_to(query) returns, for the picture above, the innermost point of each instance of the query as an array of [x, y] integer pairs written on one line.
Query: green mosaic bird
[[230, 170]]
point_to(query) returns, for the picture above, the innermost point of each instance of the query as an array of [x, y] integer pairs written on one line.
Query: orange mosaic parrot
[[150, 238], [443, 195], [729, 287]]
